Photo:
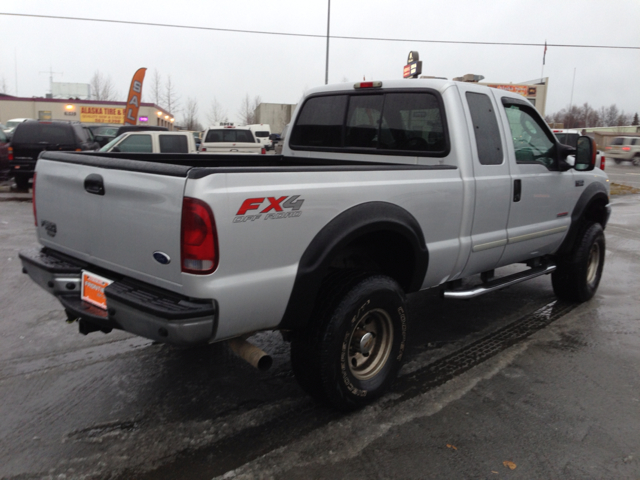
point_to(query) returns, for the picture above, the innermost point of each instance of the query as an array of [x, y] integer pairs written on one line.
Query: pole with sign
[[413, 68]]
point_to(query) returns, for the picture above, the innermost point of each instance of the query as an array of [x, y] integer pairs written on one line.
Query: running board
[[498, 283]]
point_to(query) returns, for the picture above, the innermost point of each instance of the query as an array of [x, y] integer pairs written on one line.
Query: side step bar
[[498, 283]]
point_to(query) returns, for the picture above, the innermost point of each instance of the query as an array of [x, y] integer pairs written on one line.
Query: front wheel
[[354, 346], [578, 275]]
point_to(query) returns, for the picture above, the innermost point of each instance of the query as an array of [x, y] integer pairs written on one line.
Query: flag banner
[[135, 96]]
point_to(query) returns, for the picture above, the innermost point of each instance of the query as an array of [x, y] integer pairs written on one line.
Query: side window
[[173, 144], [485, 128], [136, 144], [530, 140], [412, 122], [363, 119], [320, 122]]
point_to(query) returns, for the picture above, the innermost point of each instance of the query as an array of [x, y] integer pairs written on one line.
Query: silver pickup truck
[[382, 189]]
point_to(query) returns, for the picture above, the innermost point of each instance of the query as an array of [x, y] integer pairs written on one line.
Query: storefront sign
[[101, 115], [520, 89], [44, 115]]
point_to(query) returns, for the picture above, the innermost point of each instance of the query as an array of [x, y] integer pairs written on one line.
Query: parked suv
[[624, 149], [33, 136]]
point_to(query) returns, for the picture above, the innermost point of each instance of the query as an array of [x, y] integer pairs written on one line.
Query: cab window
[[530, 139], [376, 122], [135, 144]]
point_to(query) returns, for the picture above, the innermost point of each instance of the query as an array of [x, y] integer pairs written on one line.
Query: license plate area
[[92, 290]]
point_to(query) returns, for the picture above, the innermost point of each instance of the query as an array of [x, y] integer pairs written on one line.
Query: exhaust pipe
[[250, 353]]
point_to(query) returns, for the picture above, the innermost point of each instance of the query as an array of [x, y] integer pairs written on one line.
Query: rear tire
[[578, 275], [636, 160], [355, 342], [22, 181], [618, 161]]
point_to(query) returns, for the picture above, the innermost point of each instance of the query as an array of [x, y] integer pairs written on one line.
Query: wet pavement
[[551, 389]]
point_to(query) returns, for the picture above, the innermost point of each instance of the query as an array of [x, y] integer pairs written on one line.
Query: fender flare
[[595, 192], [347, 227]]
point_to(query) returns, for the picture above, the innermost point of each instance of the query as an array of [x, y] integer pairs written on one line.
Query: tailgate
[[120, 227]]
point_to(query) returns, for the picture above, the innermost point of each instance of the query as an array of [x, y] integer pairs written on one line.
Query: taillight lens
[[10, 153], [199, 239], [602, 162], [263, 151], [626, 149], [33, 199]]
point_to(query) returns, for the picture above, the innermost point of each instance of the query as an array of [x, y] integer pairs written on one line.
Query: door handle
[[517, 190], [94, 184]]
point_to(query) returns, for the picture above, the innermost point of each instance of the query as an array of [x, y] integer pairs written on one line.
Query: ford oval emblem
[[162, 258]]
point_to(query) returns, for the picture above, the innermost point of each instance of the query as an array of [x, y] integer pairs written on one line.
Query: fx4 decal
[[273, 208]]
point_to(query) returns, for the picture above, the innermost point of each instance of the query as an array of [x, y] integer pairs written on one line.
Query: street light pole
[[326, 67]]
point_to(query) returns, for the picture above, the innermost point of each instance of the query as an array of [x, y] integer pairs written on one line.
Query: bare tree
[[156, 88], [171, 98], [248, 109], [190, 117], [635, 121], [216, 113], [102, 87]]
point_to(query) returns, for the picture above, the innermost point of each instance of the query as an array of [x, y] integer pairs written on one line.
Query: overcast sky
[[204, 64]]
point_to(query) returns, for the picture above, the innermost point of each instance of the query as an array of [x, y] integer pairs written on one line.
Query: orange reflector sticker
[[93, 289]]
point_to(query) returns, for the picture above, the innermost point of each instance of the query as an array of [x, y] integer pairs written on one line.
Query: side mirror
[[585, 154]]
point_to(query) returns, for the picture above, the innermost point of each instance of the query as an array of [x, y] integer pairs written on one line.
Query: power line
[[308, 35]]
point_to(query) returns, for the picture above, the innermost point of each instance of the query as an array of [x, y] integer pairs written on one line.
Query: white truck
[[382, 189], [230, 139], [262, 132], [149, 141]]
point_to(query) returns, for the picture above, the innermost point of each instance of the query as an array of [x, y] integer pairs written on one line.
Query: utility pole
[[51, 74], [326, 67]]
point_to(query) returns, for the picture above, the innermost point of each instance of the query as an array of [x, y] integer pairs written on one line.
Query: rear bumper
[[133, 306]]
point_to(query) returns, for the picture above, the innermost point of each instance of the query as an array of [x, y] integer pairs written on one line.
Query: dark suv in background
[[33, 136]]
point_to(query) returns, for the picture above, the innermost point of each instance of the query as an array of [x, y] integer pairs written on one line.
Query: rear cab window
[[173, 144], [229, 135], [380, 122], [43, 133]]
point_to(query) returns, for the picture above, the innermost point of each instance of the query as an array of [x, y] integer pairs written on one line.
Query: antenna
[[51, 74]]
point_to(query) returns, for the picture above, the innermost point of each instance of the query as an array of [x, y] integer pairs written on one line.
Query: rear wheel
[[354, 345], [578, 275], [636, 160], [22, 181], [618, 161]]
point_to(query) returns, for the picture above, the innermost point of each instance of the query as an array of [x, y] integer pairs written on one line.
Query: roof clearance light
[[367, 85]]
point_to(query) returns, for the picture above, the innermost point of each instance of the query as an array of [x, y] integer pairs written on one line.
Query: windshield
[[110, 145]]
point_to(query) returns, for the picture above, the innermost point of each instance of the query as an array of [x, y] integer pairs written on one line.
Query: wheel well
[[384, 252], [596, 212]]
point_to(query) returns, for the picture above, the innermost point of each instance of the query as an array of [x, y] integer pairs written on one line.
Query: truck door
[[491, 178], [542, 195]]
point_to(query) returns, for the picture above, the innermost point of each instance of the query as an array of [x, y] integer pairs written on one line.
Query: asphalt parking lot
[[509, 385]]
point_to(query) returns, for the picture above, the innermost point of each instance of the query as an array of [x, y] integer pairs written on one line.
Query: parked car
[[4, 156], [262, 132], [624, 149], [383, 188], [152, 142], [33, 136], [230, 139]]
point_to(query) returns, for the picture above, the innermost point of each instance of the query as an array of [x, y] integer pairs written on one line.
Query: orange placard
[[93, 289]]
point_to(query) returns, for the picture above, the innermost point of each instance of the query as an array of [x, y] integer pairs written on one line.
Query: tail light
[[199, 239], [10, 153], [602, 163], [263, 151], [367, 85], [33, 200], [203, 149], [626, 149]]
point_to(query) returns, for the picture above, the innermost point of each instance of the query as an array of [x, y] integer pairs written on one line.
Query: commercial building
[[89, 112], [275, 115]]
